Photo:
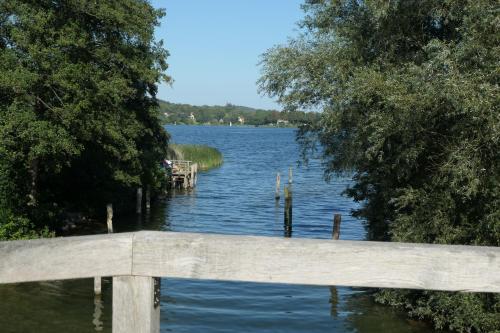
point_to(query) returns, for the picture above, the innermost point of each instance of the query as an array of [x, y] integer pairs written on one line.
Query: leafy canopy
[[79, 124], [409, 94]]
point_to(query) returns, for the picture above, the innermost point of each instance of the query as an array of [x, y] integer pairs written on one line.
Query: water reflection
[[98, 307], [57, 306], [367, 316], [334, 301], [237, 198]]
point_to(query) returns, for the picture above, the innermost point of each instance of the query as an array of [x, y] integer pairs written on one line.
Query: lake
[[237, 198]]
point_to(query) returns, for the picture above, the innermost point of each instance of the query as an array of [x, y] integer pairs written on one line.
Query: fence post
[[97, 285], [134, 306]]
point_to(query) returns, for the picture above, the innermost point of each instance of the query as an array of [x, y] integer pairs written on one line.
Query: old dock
[[183, 174]]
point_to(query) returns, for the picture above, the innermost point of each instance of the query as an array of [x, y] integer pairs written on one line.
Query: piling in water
[[138, 206], [191, 178], [334, 297], [109, 219], [109, 223], [195, 179], [97, 285], [288, 211], [290, 175], [148, 197], [278, 181], [336, 226]]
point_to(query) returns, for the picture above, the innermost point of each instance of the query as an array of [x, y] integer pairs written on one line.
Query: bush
[[17, 227]]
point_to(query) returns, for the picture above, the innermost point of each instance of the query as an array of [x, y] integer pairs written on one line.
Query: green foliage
[[17, 227], [223, 115], [410, 96], [462, 312], [79, 122], [206, 157]]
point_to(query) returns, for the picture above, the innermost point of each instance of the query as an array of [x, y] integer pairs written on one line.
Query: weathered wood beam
[[65, 258], [317, 262], [254, 259]]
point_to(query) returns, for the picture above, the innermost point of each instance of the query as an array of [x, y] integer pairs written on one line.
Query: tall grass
[[206, 157]]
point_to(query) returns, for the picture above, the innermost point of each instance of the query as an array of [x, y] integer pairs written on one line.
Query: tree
[[79, 122], [409, 93]]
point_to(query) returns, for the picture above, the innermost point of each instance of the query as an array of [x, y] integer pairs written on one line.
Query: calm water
[[237, 198]]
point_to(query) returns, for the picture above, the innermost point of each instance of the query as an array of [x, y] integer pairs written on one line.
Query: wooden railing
[[182, 166], [134, 259]]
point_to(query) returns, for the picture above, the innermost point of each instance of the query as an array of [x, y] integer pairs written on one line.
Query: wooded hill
[[172, 113]]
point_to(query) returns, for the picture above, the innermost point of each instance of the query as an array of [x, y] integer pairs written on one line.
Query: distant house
[[221, 121], [281, 122], [165, 114], [241, 120], [192, 118]]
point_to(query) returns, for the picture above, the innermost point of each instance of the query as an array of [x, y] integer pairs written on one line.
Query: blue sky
[[215, 46]]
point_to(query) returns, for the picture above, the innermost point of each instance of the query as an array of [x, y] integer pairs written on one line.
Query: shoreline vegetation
[[409, 99], [79, 119], [409, 93], [207, 157], [232, 115]]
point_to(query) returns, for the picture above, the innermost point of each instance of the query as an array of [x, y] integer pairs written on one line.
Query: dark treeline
[[410, 99], [79, 122], [234, 114]]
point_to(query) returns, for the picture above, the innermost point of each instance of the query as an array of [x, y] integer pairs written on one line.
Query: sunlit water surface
[[237, 198]]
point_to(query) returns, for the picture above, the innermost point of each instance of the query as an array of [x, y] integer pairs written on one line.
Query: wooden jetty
[[184, 174], [135, 260]]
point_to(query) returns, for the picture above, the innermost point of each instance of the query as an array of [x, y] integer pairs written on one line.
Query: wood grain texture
[[133, 309], [65, 258], [317, 262], [254, 259]]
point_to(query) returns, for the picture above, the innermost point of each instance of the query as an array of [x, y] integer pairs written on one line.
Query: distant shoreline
[[238, 126], [232, 115]]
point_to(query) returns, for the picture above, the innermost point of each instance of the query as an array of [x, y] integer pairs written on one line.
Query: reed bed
[[207, 157]]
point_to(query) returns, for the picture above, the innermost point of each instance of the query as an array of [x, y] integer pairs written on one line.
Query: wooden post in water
[[138, 205], [277, 193], [97, 285], [191, 180], [288, 211], [337, 218], [134, 308], [195, 173], [334, 297], [148, 197], [109, 223], [109, 219], [290, 175]]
